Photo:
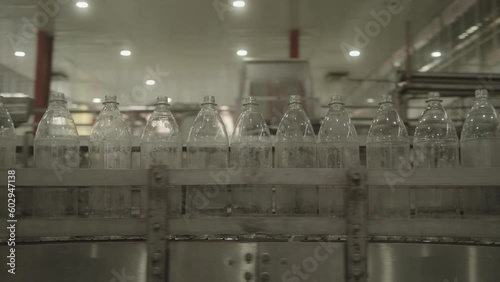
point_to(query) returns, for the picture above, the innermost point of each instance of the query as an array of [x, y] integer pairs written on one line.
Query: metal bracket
[[157, 225], [357, 227]]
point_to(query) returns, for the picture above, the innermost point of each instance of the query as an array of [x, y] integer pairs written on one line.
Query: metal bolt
[[357, 272], [283, 261], [157, 226], [248, 276], [157, 256], [356, 226], [266, 257], [230, 262], [158, 177], [156, 271], [264, 276], [356, 178], [248, 257], [356, 257]]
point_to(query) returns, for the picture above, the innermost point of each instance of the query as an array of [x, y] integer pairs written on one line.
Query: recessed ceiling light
[[354, 53], [125, 53], [19, 54], [241, 53], [97, 100], [370, 100], [436, 54], [169, 99], [82, 4], [150, 82], [239, 4]]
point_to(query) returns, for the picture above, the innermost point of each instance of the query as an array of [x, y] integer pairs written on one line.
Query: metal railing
[[357, 228]]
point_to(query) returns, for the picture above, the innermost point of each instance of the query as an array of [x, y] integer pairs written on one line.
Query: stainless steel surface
[[157, 225], [77, 262], [420, 178], [256, 225], [357, 227], [38, 229], [479, 228], [44, 229], [212, 261], [394, 262], [46, 178], [292, 261], [229, 261], [260, 238], [233, 176]]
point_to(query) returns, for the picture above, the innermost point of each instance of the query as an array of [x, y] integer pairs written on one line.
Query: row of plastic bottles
[[435, 141]]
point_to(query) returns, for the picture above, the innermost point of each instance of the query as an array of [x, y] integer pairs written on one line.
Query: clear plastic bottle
[[479, 141], [251, 147], [7, 138], [295, 147], [207, 147], [435, 145], [161, 142], [56, 147], [338, 145], [480, 148], [388, 146], [110, 148]]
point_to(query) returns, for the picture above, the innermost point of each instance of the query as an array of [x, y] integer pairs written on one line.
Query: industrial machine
[[162, 242]]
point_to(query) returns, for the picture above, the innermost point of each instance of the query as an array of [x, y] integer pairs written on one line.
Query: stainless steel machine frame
[[357, 229]]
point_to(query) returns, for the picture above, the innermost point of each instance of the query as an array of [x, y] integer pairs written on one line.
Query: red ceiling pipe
[[294, 43], [45, 44]]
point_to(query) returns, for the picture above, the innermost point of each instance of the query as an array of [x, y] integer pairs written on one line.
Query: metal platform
[[224, 261], [168, 247]]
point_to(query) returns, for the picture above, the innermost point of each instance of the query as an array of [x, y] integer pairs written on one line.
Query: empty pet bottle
[[251, 147], [435, 145], [480, 148], [295, 147], [338, 147], [110, 148], [388, 147], [208, 148], [479, 142], [337, 138], [56, 147], [161, 142]]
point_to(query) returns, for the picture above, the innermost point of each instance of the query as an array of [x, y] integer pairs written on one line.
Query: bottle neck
[[162, 108], [295, 106], [337, 107], [386, 105], [250, 108], [110, 106], [57, 103], [209, 106], [434, 104]]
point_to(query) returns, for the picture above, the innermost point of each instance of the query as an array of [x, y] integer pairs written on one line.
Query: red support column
[[294, 43], [43, 74]]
